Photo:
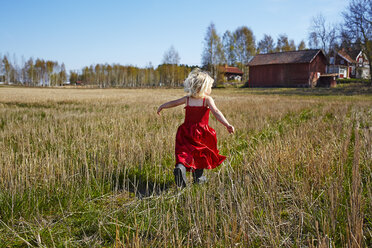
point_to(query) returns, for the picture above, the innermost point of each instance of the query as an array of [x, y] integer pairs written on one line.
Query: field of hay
[[93, 168]]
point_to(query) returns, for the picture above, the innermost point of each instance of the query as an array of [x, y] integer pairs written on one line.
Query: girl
[[196, 142]]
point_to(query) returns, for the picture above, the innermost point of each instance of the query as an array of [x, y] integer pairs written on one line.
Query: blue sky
[[82, 32]]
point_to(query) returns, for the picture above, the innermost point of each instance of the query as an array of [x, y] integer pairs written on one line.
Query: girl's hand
[[159, 109], [230, 129]]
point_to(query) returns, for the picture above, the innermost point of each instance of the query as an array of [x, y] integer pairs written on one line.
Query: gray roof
[[291, 57]]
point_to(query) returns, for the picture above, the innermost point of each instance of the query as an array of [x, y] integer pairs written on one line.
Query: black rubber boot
[[198, 176], [180, 175]]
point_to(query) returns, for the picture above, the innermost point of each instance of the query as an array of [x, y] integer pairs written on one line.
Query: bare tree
[[171, 56], [358, 24], [322, 34], [171, 59]]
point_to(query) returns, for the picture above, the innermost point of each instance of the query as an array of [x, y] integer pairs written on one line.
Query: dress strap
[[187, 101], [203, 101]]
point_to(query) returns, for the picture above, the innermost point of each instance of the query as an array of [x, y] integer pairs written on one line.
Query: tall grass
[[91, 168]]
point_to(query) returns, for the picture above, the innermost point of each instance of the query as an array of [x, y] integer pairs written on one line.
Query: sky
[[84, 32]]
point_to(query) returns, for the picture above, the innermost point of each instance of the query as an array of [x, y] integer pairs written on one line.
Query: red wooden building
[[341, 64], [231, 73], [349, 64], [287, 69]]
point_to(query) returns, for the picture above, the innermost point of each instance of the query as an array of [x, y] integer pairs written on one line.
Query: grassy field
[[93, 168]]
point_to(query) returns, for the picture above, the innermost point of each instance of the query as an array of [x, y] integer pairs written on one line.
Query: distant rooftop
[[291, 57], [346, 56], [231, 69]]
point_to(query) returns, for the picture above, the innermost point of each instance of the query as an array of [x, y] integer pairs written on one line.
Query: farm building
[[231, 73], [287, 69], [349, 64], [327, 80], [341, 64], [362, 66]]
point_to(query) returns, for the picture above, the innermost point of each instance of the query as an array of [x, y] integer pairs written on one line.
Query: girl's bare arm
[[172, 104], [218, 114]]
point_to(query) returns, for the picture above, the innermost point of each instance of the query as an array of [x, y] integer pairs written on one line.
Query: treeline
[[37, 72], [170, 75], [41, 72]]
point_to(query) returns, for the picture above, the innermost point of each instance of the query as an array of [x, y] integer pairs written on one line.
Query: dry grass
[[91, 168]]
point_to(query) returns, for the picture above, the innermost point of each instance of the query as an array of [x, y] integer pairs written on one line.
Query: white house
[[362, 66]]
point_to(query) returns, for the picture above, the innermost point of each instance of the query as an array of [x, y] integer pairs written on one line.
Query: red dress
[[196, 141]]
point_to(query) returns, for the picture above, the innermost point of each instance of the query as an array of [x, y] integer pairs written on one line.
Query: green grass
[[96, 170]]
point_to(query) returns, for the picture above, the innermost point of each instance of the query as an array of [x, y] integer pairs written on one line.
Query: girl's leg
[[180, 175], [198, 176]]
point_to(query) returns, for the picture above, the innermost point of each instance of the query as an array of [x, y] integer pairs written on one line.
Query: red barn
[[287, 69]]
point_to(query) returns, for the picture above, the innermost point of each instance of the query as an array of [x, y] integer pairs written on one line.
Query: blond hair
[[197, 82]]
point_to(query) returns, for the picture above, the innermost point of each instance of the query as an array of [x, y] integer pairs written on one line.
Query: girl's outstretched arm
[[218, 114], [172, 104]]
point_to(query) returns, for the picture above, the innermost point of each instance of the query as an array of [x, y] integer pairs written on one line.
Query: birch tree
[[228, 42], [301, 46], [266, 45], [245, 45], [213, 54], [62, 74], [285, 45], [171, 58], [7, 67], [245, 48]]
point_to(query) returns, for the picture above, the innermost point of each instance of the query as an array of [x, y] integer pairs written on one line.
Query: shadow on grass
[[141, 184], [341, 90]]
